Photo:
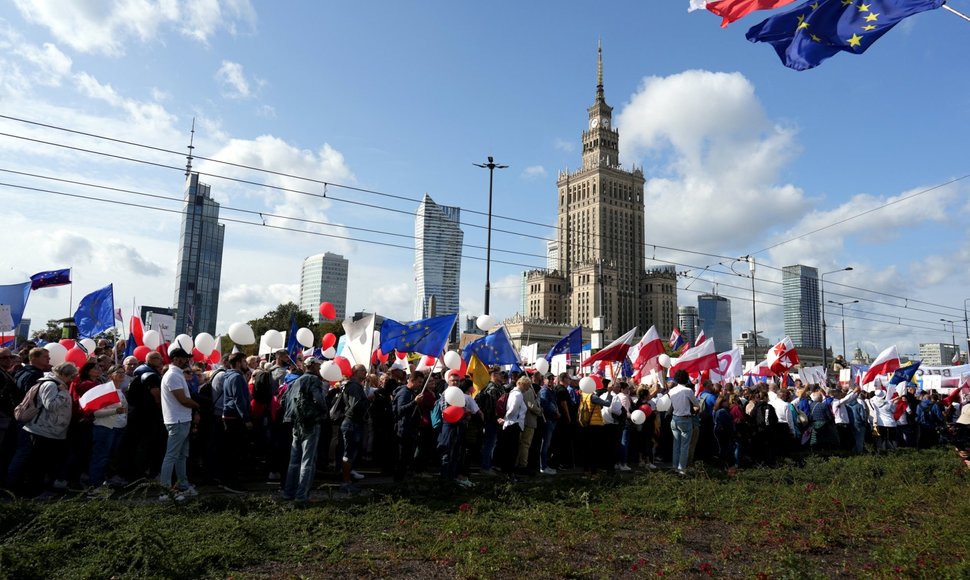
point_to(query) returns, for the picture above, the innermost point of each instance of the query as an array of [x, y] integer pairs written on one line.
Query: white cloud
[[267, 296], [147, 116], [233, 80], [94, 26], [564, 145], [534, 172]]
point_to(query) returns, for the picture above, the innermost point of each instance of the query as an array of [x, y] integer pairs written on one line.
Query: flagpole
[[960, 14], [70, 294]]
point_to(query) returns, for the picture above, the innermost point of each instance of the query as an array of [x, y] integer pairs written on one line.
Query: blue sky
[[739, 152]]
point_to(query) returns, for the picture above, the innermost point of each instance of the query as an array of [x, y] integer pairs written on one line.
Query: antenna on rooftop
[[188, 164]]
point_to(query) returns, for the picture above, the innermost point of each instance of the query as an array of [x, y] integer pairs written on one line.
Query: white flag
[[359, 345]]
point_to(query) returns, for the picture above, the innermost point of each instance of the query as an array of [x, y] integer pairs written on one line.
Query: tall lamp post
[[953, 333], [821, 285], [843, 305], [491, 166], [966, 326], [754, 312]]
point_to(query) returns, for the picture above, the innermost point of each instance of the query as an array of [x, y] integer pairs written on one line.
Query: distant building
[[552, 255], [22, 331], [937, 354], [746, 342], [660, 298], [323, 278], [688, 324], [437, 258], [199, 269], [714, 313], [800, 297]]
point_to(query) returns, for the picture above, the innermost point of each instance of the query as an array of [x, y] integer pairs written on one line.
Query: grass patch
[[869, 516]]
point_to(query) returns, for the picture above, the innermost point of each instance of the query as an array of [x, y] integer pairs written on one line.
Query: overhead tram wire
[[412, 200]]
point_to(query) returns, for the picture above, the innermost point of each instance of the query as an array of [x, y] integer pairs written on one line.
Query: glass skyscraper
[[688, 323], [437, 258], [715, 319], [199, 261], [324, 279], [803, 316]]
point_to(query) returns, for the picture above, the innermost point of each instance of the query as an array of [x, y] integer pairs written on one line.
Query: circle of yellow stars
[[855, 40]]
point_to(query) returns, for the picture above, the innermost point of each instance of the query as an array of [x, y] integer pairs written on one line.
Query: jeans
[[489, 441], [176, 454], [624, 451], [303, 464], [546, 443], [682, 429], [104, 443]]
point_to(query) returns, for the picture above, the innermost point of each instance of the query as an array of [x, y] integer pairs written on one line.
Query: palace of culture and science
[[596, 265]]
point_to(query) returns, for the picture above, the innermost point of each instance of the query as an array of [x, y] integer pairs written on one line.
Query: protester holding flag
[[80, 433], [110, 409]]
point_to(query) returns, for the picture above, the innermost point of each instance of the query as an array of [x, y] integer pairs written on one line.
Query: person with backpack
[[236, 420], [764, 448], [407, 417], [305, 407], [356, 403], [46, 415]]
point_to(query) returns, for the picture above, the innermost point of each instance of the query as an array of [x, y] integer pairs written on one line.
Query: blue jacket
[[547, 401], [406, 413], [235, 396]]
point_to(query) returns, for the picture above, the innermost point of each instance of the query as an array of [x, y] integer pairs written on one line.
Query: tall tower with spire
[[601, 262]]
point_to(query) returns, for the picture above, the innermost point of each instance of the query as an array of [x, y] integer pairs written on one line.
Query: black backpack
[[765, 417], [307, 414], [263, 387]]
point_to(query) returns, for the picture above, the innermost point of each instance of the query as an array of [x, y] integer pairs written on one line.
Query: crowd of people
[[246, 419]]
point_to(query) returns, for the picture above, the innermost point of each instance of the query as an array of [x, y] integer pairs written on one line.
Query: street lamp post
[[491, 166], [966, 325], [953, 332], [754, 312], [843, 305], [821, 285]]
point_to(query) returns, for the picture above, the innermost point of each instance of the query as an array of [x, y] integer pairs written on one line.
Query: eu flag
[[572, 343], [426, 336], [819, 29], [905, 372], [96, 312], [51, 278], [494, 349], [15, 295], [293, 346]]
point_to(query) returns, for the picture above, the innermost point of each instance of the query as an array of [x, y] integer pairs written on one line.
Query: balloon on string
[[379, 357], [486, 322], [273, 339], [587, 385], [454, 397], [304, 336], [205, 342], [328, 311], [88, 345], [328, 340], [184, 342], [664, 360], [542, 366], [76, 356], [453, 414], [141, 352], [638, 417], [240, 333], [452, 360], [67, 343], [152, 339], [57, 351], [215, 357], [197, 355], [344, 365], [330, 352]]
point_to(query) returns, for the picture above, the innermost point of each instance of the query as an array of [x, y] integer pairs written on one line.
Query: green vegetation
[[903, 515]]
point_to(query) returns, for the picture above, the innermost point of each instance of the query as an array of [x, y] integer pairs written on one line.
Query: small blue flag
[[494, 349], [819, 29], [292, 344], [15, 296], [52, 278], [571, 344], [426, 336], [905, 373], [96, 312]]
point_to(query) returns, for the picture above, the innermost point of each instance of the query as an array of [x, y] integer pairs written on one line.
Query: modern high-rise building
[[552, 255], [688, 323], [199, 268], [938, 354], [437, 258], [800, 298], [715, 319], [323, 278], [599, 246]]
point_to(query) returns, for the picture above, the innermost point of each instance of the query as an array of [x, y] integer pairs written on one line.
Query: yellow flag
[[478, 373]]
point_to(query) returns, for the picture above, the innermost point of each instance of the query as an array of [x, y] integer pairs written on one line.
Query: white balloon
[[304, 336], [151, 339], [587, 385], [88, 345], [638, 417], [486, 322], [58, 352], [452, 360], [205, 342], [331, 372], [330, 352], [273, 339], [663, 403], [454, 397], [542, 366], [242, 334], [184, 342], [664, 361]]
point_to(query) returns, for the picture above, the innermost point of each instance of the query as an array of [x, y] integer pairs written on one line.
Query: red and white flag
[[650, 346], [697, 359], [118, 315], [615, 351], [956, 358], [887, 362], [731, 10], [700, 338], [728, 366], [782, 356], [136, 330], [762, 369], [99, 397]]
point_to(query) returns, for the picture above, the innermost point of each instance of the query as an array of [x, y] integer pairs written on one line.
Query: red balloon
[[344, 365], [215, 357], [141, 352], [328, 340], [647, 410], [378, 357], [428, 361], [328, 311], [67, 343], [197, 355], [453, 414], [76, 356]]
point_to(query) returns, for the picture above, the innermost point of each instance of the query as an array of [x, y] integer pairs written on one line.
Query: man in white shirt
[[177, 408], [682, 405], [513, 424]]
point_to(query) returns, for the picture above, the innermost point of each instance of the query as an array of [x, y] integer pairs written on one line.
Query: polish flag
[[956, 358], [650, 346], [886, 363], [99, 397], [136, 330], [700, 338], [762, 369], [782, 356], [731, 10], [697, 359], [615, 351]]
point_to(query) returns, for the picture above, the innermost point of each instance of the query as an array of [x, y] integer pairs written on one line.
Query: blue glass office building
[[199, 267], [714, 317]]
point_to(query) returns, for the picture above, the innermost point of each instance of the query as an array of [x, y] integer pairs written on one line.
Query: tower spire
[[599, 70], [189, 158]]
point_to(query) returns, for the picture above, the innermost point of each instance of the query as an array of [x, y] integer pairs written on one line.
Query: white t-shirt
[[172, 410]]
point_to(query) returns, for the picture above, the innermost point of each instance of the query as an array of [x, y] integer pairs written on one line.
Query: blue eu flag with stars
[[96, 312], [819, 29], [494, 349], [426, 336]]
